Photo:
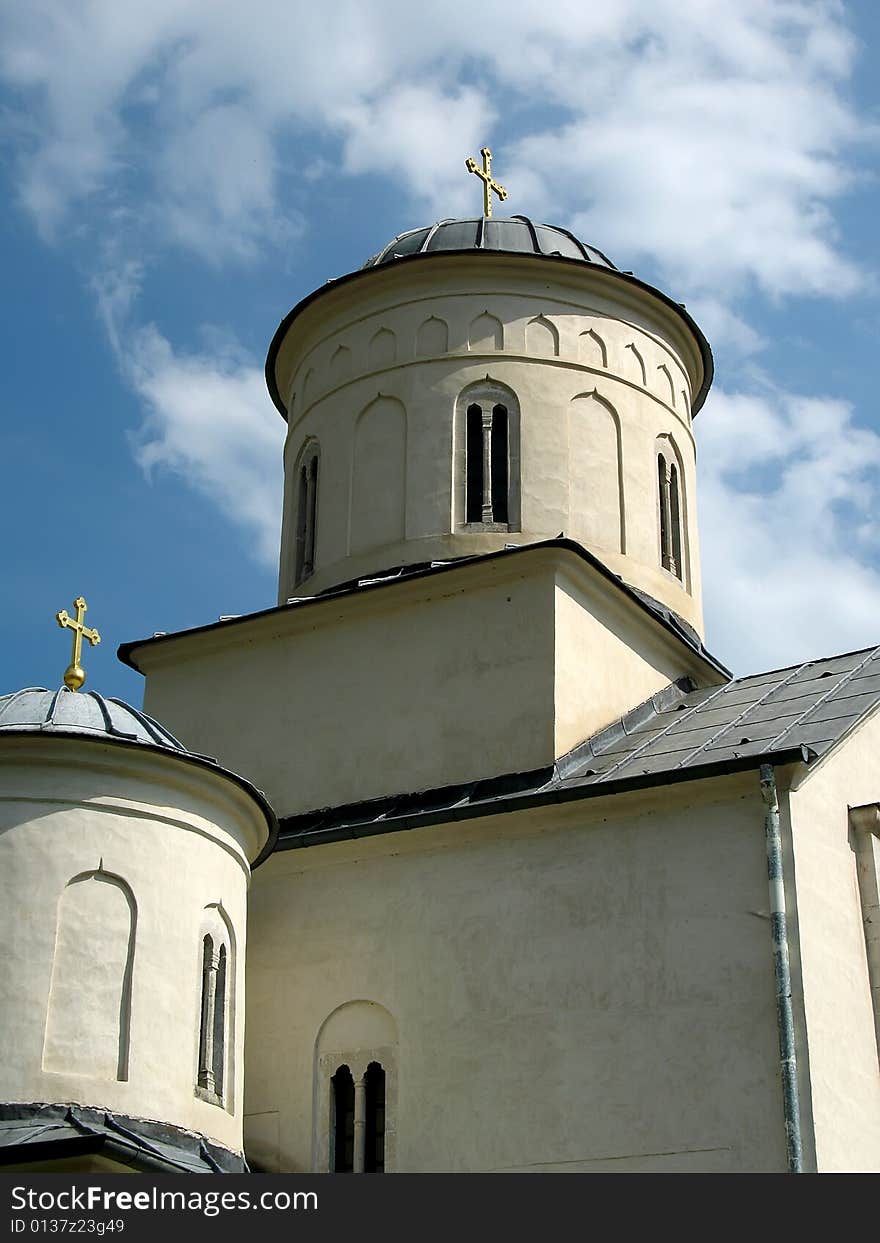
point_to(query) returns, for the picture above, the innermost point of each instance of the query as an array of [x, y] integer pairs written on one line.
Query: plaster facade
[[112, 859], [497, 667], [602, 376], [842, 1039], [580, 988]]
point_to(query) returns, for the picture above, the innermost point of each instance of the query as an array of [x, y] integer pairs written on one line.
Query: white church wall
[[109, 857], [483, 670], [579, 988], [574, 337], [408, 687], [842, 1041]]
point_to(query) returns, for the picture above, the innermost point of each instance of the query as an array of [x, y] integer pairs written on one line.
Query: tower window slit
[[474, 451], [499, 464], [343, 1121], [306, 518], [675, 515], [374, 1103], [663, 500]]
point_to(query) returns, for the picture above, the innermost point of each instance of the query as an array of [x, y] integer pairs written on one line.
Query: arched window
[[670, 515], [306, 516], [357, 1142], [489, 458], [216, 1043], [356, 1091]]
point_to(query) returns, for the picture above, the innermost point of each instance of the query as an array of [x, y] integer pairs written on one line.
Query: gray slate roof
[[797, 713], [810, 705], [38, 1133]]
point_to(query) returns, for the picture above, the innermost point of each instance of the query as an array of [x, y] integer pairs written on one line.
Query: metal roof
[[33, 1133], [514, 235], [81, 712], [682, 733]]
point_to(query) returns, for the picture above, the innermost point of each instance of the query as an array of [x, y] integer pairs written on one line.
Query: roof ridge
[[822, 698], [756, 704]]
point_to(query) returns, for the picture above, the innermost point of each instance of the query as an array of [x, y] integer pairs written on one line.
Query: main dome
[[515, 235]]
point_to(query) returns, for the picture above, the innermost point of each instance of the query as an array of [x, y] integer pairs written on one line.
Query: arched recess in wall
[[634, 365], [383, 349], [377, 513], [673, 544], [597, 512], [356, 1048], [542, 338], [88, 1019], [485, 334], [217, 964], [490, 405], [340, 364], [592, 350], [432, 338], [667, 388]]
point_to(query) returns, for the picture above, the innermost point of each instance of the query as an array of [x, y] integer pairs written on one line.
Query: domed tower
[[124, 867], [486, 382]]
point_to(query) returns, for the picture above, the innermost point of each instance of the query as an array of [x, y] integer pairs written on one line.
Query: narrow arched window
[[663, 510], [342, 1105], [491, 459], [306, 516], [677, 566], [213, 1025], [670, 516], [374, 1119]]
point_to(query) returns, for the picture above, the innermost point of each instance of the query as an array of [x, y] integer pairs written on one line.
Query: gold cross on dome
[[74, 674], [485, 175]]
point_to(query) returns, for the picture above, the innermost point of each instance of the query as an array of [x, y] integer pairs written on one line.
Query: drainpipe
[[782, 970]]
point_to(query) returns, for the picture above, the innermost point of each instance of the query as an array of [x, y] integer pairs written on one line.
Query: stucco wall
[[482, 670], [109, 860], [843, 1053], [588, 988], [601, 372]]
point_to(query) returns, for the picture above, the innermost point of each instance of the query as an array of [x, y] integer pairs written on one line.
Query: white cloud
[[210, 421], [712, 137], [788, 492]]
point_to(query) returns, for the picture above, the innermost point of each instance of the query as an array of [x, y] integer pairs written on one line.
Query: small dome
[[516, 235], [81, 712]]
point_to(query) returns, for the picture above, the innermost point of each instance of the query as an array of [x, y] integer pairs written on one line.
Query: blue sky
[[177, 178]]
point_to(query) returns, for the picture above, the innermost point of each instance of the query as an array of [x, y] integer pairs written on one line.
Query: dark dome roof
[[517, 235], [82, 712]]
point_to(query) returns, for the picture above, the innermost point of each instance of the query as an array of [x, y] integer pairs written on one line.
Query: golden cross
[[74, 674], [485, 174]]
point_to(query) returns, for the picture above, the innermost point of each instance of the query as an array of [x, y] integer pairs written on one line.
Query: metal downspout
[[782, 970]]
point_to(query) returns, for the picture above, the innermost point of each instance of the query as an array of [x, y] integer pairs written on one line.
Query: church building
[[493, 866]]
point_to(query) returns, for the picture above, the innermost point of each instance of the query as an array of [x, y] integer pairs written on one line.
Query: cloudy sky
[[179, 173]]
